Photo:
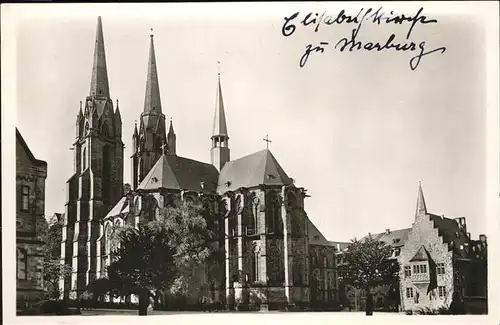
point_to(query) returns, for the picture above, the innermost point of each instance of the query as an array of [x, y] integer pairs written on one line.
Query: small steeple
[[171, 140], [171, 128], [220, 126], [136, 134], [99, 85], [421, 208], [117, 111], [219, 153], [80, 112], [152, 101]]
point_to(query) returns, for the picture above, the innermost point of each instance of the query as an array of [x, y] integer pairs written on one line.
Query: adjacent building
[[30, 209], [439, 261]]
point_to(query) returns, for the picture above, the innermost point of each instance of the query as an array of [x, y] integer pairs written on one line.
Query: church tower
[[97, 182], [219, 154], [151, 136]]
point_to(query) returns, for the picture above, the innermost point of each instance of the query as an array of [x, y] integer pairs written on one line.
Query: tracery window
[[252, 216], [276, 270], [255, 263], [274, 223]]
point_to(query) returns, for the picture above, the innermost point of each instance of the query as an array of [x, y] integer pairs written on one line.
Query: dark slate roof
[[391, 238], [259, 168], [24, 145], [421, 255], [450, 230], [119, 207], [179, 173]]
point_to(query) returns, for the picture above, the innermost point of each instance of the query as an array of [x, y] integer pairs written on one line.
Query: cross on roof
[[164, 147], [218, 68], [267, 141]]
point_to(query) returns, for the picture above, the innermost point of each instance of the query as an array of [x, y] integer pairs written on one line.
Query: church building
[[274, 255]]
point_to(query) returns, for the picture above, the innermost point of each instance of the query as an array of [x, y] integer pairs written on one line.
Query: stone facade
[[438, 263], [97, 182], [30, 210]]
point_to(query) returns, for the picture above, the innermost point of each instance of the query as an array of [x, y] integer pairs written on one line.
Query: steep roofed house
[[30, 209], [438, 259]]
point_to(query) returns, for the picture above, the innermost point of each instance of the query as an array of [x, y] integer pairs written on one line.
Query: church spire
[[171, 140], [219, 153], [220, 126], [421, 208], [99, 85], [152, 102]]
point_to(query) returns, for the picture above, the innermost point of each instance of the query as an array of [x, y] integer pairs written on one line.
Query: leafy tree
[[143, 264], [163, 254], [53, 271], [369, 265], [50, 230]]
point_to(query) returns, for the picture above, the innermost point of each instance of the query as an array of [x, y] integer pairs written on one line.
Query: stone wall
[[424, 234], [30, 178]]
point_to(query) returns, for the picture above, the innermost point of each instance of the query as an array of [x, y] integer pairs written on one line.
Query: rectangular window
[[409, 292], [22, 264], [440, 268], [407, 271], [420, 269], [25, 198], [442, 291]]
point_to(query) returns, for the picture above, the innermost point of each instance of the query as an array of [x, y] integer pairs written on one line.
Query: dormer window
[[154, 180], [228, 183], [396, 240], [270, 176]]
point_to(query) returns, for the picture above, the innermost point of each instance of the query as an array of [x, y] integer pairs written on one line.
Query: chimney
[[387, 231]]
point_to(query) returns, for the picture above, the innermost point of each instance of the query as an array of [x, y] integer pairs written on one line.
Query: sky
[[359, 130]]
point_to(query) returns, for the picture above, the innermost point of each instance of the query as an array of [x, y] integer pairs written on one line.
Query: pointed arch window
[[87, 128], [84, 159], [273, 214], [105, 129], [252, 217], [255, 263]]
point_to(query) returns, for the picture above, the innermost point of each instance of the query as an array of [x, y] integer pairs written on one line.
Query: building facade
[[274, 255], [438, 261], [97, 182], [30, 209]]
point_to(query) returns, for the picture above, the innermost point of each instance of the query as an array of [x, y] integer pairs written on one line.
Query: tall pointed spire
[[99, 85], [421, 208], [220, 126], [171, 127], [152, 102]]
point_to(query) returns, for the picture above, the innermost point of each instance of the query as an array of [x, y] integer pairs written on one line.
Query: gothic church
[[274, 255]]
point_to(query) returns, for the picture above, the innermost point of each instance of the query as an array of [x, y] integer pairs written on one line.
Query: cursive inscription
[[354, 42]]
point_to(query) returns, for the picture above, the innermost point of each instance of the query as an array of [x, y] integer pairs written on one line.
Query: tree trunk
[[369, 303], [143, 303]]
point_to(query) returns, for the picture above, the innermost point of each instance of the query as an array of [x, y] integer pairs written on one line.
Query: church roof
[[259, 168], [119, 207], [179, 173]]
